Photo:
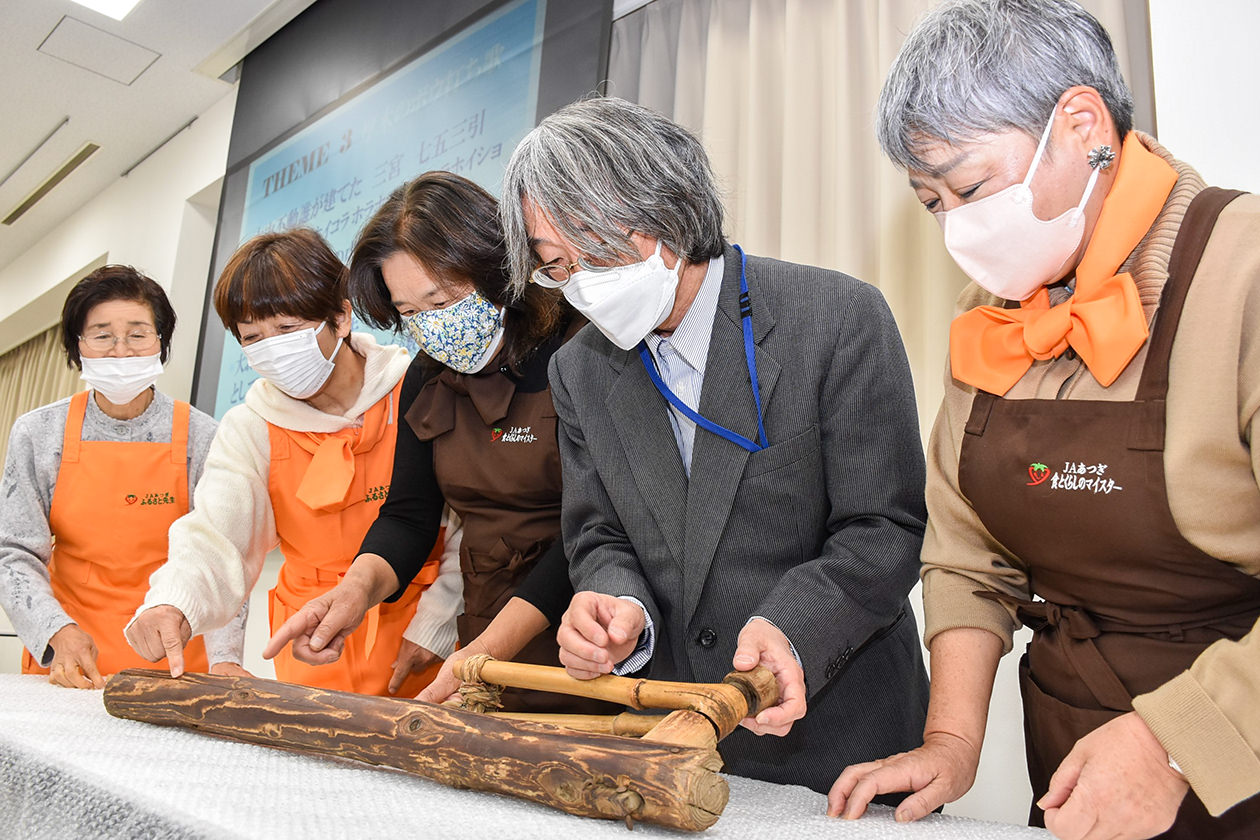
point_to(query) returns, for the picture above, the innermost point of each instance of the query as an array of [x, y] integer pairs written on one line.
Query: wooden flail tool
[[667, 776]]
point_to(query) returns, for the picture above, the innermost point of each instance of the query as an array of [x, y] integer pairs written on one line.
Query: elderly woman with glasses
[[91, 485], [1093, 472]]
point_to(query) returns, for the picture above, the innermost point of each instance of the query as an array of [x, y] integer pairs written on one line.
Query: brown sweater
[[1205, 717]]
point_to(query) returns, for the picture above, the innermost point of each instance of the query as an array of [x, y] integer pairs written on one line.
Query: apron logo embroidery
[[131, 498], [1038, 473], [154, 499], [517, 434], [495, 434], [1074, 476], [376, 494]]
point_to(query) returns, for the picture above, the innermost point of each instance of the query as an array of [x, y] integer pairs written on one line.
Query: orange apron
[[110, 512], [326, 489]]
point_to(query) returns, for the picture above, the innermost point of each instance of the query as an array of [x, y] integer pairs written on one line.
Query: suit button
[[707, 637], [834, 666]]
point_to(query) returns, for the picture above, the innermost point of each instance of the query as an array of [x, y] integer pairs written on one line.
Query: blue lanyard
[[745, 316]]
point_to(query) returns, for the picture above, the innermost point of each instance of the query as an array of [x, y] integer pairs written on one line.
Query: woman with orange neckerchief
[[306, 462]]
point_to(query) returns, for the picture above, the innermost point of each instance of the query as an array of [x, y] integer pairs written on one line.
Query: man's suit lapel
[[726, 398], [639, 413]]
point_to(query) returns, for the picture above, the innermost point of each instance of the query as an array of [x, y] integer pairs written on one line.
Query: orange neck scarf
[[992, 348], [331, 471]]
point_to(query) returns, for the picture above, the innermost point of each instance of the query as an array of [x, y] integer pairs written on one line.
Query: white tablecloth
[[69, 770]]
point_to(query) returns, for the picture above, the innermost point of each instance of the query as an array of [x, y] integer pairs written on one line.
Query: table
[[68, 769]]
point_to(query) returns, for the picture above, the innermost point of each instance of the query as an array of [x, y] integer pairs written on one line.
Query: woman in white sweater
[[305, 462]]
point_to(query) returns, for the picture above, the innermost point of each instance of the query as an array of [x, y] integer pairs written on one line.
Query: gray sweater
[[30, 476]]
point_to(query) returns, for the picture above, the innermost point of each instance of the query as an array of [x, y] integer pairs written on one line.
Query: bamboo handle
[[725, 704], [626, 724]]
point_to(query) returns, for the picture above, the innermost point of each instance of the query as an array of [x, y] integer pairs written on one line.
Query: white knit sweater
[[217, 550]]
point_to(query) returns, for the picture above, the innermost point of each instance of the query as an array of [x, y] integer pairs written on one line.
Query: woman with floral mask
[[479, 431], [1093, 471], [306, 462], [91, 485]]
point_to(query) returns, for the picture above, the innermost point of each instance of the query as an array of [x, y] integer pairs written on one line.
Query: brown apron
[[1076, 490], [497, 461]]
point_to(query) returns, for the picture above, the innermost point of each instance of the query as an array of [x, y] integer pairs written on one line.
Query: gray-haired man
[[742, 467]]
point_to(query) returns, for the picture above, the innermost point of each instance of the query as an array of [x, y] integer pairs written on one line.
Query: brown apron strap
[[1146, 429], [1192, 238], [1075, 632], [981, 407]]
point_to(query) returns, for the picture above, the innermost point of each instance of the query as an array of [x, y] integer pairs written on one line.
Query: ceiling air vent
[[51, 181]]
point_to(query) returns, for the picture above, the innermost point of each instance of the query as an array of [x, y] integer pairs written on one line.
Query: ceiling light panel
[[83, 45], [117, 9]]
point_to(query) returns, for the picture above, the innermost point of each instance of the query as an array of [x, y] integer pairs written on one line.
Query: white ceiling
[[195, 41]]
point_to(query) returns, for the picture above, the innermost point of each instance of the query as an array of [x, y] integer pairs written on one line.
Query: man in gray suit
[[743, 478]]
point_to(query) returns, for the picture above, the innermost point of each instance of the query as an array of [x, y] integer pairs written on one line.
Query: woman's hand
[[445, 685], [940, 771], [964, 660], [318, 631], [229, 669], [512, 629], [1116, 782], [74, 659], [161, 631], [411, 659]]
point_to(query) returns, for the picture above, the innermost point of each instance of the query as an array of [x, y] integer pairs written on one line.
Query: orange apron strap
[[74, 428], [179, 452], [179, 433], [373, 627]]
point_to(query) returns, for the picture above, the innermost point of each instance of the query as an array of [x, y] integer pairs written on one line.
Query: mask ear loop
[[1089, 188], [336, 347], [1097, 162], [677, 258], [1041, 147]]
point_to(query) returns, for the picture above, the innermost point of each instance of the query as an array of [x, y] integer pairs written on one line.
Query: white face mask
[[1003, 246], [293, 362], [120, 380], [626, 302]]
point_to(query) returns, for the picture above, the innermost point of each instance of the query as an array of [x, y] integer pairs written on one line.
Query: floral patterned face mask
[[464, 336]]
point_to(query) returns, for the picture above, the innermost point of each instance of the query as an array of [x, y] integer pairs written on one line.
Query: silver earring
[[1100, 157]]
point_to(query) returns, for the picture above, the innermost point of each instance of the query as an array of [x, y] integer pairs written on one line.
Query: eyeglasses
[[555, 275], [137, 340]]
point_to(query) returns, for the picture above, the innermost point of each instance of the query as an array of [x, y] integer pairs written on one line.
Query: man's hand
[[74, 659], [1115, 783], [411, 659], [597, 632], [761, 643], [940, 771], [318, 631], [161, 631]]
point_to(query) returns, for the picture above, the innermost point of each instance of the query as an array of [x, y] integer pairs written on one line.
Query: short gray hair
[[602, 167], [973, 67]]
